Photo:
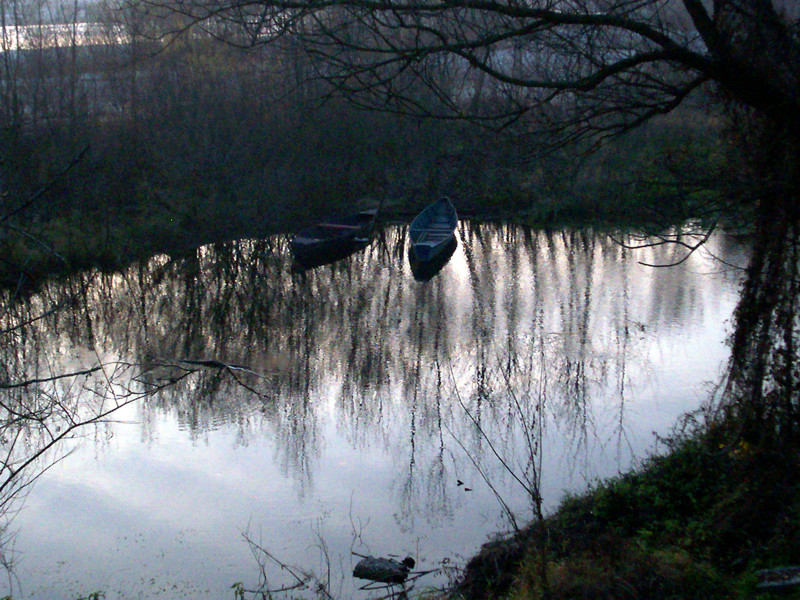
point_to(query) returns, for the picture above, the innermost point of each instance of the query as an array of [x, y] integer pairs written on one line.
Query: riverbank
[[702, 520], [120, 236], [130, 193]]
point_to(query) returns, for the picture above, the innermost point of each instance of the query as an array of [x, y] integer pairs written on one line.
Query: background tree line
[[188, 141]]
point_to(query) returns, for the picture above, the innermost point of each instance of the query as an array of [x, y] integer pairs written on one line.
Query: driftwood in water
[[383, 570]]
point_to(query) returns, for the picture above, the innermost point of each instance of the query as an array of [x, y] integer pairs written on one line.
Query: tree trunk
[[764, 375]]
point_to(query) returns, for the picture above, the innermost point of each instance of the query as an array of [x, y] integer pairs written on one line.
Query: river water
[[248, 416]]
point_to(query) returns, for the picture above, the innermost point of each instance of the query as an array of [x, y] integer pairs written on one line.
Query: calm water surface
[[364, 397]]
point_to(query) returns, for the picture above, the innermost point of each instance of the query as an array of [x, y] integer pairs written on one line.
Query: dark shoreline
[[129, 240]]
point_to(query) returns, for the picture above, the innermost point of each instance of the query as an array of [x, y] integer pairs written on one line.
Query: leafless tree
[[583, 67]]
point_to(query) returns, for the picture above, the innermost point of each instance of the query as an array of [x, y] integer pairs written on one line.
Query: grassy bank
[[699, 521]]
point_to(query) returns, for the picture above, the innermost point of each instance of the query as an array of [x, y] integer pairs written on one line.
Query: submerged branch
[[665, 241], [29, 382]]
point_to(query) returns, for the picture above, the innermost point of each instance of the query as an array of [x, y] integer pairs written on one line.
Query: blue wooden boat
[[432, 231]]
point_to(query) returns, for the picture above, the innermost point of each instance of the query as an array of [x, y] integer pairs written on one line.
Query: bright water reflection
[[366, 397]]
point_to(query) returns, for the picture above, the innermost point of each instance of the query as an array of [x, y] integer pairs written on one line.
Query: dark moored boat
[[333, 239], [433, 230]]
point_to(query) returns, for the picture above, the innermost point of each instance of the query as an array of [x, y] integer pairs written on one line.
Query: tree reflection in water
[[525, 338]]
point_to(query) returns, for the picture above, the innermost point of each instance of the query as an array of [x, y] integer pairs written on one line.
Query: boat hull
[[427, 270], [318, 256], [333, 240]]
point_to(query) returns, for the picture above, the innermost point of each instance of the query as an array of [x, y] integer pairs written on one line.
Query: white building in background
[[37, 37]]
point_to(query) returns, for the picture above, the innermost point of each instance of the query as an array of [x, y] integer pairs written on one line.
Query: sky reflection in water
[[355, 430]]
